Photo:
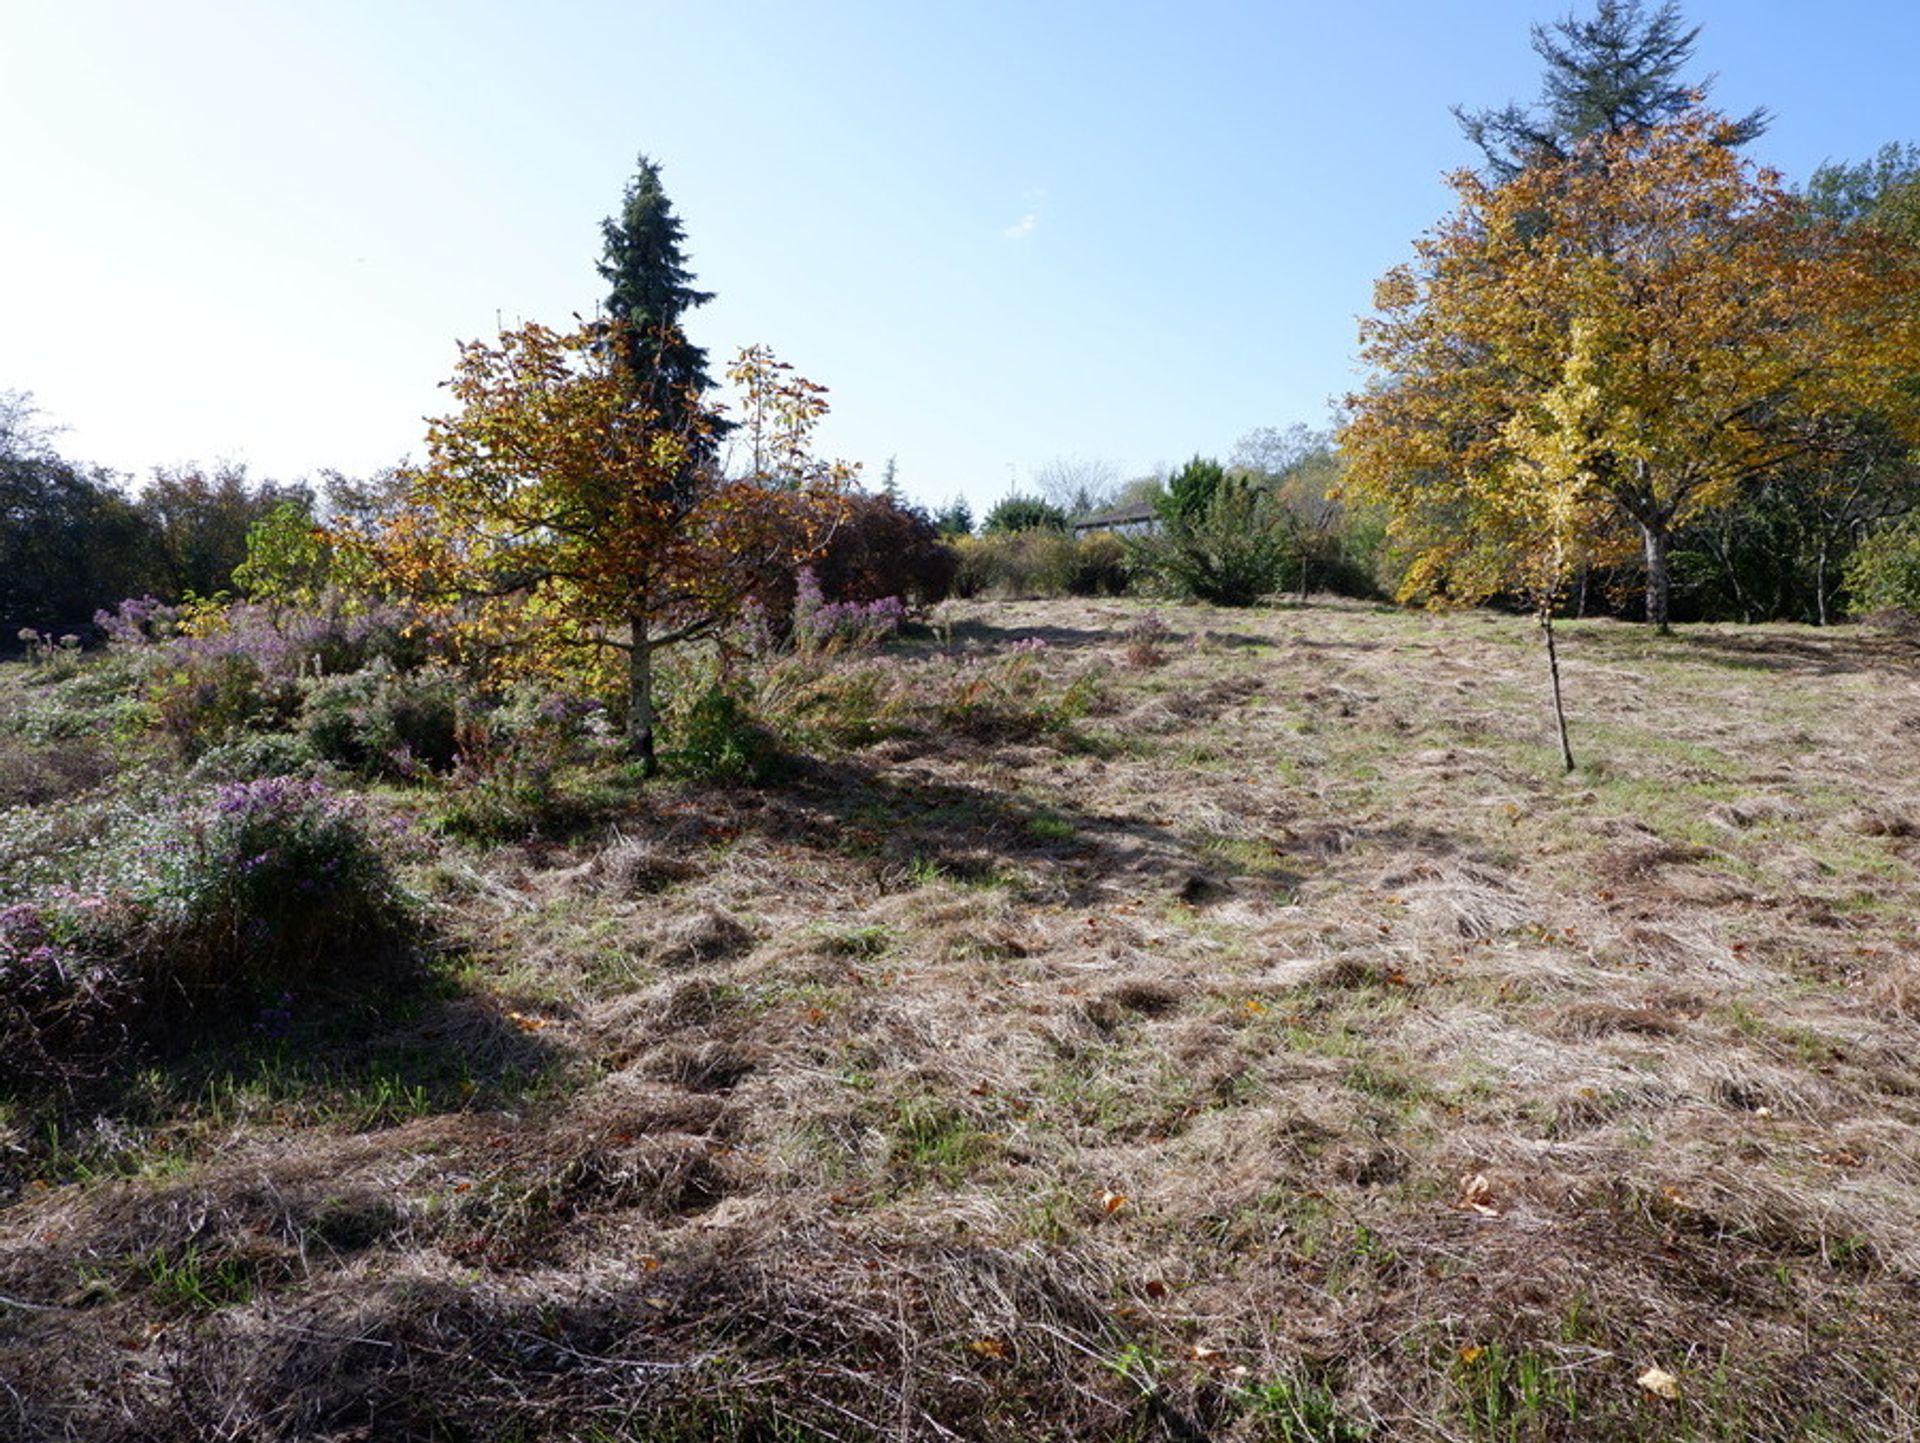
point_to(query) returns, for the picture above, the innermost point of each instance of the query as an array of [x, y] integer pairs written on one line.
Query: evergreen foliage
[[1023, 513], [1191, 491], [1617, 71], [651, 290]]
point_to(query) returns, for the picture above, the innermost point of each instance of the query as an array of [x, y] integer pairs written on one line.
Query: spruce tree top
[[1614, 72], [651, 291]]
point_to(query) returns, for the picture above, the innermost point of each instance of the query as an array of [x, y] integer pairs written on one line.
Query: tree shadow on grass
[[1843, 652], [358, 1060], [985, 634], [907, 826]]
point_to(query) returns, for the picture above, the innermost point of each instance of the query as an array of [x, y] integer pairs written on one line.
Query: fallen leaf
[[1475, 1195], [988, 1348], [1660, 1383], [1472, 1355]]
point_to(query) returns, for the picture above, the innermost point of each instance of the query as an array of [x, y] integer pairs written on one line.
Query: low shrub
[[381, 722], [881, 549], [822, 625], [1099, 565], [1234, 549], [718, 739], [64, 1003], [34, 774], [1010, 565], [202, 698], [1010, 698], [276, 880], [250, 756], [505, 781]]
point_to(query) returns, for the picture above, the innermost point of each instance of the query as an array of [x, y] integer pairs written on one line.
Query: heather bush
[[381, 722], [64, 1003], [200, 698], [249, 756], [274, 881], [508, 757], [820, 625]]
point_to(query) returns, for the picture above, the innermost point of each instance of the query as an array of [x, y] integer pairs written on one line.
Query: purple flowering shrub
[[211, 671], [63, 1003], [821, 625], [277, 879], [137, 621]]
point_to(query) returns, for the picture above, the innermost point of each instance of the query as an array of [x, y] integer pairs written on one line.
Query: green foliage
[[720, 740], [202, 520], [1884, 572], [1191, 491], [1023, 513], [273, 882], [248, 756], [954, 519], [1291, 1409], [1232, 553], [1617, 71], [288, 559], [380, 721], [650, 290], [70, 540]]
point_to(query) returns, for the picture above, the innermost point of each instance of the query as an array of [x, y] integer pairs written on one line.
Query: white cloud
[[1022, 228]]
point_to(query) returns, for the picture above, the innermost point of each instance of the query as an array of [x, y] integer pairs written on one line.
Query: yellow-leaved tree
[[1586, 357], [563, 523], [1631, 335]]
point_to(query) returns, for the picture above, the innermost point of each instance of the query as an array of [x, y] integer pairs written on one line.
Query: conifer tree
[[652, 290], [1617, 71]]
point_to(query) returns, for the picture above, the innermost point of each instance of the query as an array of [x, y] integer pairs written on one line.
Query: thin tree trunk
[[1659, 578], [1553, 669], [1820, 580], [640, 697]]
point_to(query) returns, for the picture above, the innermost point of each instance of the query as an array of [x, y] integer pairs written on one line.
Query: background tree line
[[74, 539]]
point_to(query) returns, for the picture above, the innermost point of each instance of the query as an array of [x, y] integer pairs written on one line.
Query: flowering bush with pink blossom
[[822, 625]]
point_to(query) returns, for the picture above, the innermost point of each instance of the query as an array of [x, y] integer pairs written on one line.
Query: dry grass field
[[1258, 1041]]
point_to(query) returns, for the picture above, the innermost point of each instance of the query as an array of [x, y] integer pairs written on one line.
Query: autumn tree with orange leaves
[[1581, 360], [564, 521]]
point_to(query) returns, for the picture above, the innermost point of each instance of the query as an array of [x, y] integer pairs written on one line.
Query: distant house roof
[[1135, 516]]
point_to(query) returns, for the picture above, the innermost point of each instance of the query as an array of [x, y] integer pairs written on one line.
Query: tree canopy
[[562, 522], [1604, 348]]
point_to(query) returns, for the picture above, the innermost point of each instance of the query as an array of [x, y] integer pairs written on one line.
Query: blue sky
[[1000, 233]]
